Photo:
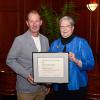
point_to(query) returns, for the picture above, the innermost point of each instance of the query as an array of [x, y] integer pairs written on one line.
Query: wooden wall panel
[[10, 16], [88, 27], [98, 30], [8, 24], [7, 81], [6, 5]]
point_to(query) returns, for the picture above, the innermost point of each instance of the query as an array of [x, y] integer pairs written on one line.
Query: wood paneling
[[11, 15], [7, 81], [9, 25], [88, 27], [6, 5]]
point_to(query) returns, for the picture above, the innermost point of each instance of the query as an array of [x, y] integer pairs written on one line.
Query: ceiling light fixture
[[92, 5]]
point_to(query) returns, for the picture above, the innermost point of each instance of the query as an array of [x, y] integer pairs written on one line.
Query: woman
[[80, 60]]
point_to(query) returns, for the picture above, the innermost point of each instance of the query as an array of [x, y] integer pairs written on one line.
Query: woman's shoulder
[[57, 40], [80, 38]]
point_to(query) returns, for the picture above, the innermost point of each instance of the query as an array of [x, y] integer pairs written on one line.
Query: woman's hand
[[73, 58]]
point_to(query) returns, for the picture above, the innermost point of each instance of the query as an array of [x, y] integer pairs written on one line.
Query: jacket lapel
[[42, 43], [31, 41]]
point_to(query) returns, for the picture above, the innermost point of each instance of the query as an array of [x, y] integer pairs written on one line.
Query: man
[[80, 60], [20, 58]]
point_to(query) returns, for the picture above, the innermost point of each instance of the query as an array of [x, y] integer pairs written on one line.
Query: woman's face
[[66, 28]]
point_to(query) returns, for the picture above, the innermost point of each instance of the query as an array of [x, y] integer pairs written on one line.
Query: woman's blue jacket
[[77, 75]]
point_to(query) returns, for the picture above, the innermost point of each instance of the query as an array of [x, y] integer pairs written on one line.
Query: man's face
[[66, 28], [34, 22]]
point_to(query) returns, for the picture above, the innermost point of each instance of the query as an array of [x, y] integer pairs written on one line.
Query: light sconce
[[92, 5]]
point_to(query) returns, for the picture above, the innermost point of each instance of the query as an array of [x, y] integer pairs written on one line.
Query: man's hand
[[45, 90], [30, 79]]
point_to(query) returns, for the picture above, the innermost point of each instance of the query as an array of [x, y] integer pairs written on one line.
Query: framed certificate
[[50, 67]]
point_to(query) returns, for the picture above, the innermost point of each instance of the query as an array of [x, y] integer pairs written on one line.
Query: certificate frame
[[50, 67]]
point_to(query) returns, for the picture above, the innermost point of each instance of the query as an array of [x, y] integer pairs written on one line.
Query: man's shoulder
[[43, 36], [23, 35], [20, 38]]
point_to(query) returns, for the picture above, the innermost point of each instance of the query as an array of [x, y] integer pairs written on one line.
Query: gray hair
[[70, 19]]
